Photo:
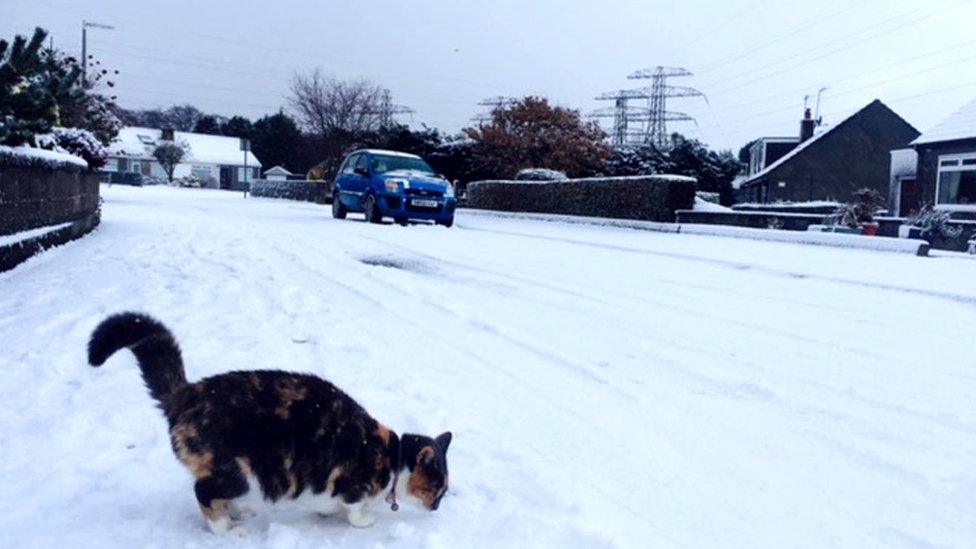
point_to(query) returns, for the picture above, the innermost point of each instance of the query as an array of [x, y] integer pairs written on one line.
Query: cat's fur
[[287, 436]]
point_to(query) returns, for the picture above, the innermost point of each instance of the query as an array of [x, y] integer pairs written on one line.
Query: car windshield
[[388, 163]]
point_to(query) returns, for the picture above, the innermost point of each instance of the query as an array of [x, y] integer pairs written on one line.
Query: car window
[[350, 162], [361, 162], [387, 163]]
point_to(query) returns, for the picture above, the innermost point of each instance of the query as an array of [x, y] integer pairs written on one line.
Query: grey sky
[[754, 59]]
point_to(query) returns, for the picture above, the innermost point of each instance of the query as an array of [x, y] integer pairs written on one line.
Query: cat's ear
[[425, 455], [443, 440]]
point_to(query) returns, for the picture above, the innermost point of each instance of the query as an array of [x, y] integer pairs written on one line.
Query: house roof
[[959, 125], [816, 138], [139, 142], [277, 170]]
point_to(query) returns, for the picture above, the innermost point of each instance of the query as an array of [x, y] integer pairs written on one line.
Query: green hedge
[[649, 197]]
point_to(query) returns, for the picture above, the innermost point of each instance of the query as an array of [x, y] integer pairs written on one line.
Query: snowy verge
[[16, 238], [29, 156], [876, 243]]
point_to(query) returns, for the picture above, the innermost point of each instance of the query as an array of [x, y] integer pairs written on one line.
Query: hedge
[[647, 197], [308, 191]]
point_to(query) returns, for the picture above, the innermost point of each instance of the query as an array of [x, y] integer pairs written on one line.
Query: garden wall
[[652, 197], [63, 197], [309, 191], [755, 220]]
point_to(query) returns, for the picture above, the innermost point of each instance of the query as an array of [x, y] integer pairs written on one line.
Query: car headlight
[[448, 190], [394, 185]]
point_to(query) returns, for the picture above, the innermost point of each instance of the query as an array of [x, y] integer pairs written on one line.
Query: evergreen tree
[[27, 107], [208, 124], [238, 126], [276, 141]]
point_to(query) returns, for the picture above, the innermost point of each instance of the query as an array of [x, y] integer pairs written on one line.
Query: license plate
[[424, 203]]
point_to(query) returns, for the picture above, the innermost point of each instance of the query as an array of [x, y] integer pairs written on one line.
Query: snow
[[139, 142], [7, 240], [960, 125], [702, 205], [33, 155], [388, 153], [605, 386], [798, 205], [904, 162]]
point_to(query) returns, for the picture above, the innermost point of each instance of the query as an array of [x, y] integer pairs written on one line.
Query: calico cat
[[248, 436]]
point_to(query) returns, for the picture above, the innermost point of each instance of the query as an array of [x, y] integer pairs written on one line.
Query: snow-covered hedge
[[27, 157], [650, 197], [308, 191], [80, 143]]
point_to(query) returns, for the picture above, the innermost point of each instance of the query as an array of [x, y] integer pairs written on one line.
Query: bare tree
[[328, 106]]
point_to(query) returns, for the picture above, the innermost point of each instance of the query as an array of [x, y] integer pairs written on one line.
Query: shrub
[[81, 143], [866, 203], [934, 223], [651, 197]]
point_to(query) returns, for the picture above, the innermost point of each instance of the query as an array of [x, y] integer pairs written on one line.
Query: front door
[[909, 198], [226, 177]]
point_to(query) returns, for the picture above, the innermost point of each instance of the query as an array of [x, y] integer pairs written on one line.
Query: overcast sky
[[755, 60]]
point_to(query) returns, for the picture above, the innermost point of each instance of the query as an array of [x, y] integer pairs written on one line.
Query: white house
[[216, 160], [277, 173]]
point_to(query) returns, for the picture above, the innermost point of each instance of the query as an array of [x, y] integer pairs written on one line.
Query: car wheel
[[447, 223], [372, 212], [402, 221], [338, 209]]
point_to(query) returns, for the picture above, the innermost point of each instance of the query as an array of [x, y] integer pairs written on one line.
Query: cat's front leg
[[359, 514]]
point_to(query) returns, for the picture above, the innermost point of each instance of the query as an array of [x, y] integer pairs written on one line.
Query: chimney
[[168, 134], [806, 126]]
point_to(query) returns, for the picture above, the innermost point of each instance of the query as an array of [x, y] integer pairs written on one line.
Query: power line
[[724, 62], [792, 59], [844, 114]]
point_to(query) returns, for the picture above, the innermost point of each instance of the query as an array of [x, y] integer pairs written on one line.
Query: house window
[[957, 180], [123, 165]]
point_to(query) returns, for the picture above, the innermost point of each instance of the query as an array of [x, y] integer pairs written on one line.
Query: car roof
[[386, 153]]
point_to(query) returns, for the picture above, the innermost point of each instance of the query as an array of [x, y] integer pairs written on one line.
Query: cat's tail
[[152, 343]]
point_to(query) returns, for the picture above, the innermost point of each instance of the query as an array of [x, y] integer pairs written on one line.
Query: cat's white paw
[[361, 517]]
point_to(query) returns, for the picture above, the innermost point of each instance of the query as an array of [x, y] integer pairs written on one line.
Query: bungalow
[[946, 169], [766, 150], [853, 154], [277, 173], [216, 160]]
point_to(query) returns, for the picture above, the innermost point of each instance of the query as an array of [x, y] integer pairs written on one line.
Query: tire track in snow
[[740, 266]]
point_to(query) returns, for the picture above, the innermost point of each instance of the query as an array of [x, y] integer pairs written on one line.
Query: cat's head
[[426, 460]]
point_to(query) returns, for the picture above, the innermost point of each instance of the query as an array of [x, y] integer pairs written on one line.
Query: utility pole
[[84, 46]]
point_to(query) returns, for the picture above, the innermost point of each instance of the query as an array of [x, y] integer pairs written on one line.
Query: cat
[[272, 436]]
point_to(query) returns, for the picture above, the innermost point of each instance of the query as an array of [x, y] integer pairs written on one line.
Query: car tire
[[372, 212], [338, 209], [447, 223], [401, 221]]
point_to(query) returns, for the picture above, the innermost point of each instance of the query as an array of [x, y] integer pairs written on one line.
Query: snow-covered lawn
[[605, 387]]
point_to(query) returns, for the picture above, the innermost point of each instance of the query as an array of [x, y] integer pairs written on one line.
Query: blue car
[[392, 184]]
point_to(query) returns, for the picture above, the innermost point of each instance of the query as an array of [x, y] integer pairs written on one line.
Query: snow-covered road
[[605, 387]]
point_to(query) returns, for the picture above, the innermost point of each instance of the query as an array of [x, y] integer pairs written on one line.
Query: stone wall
[[651, 198], [33, 197]]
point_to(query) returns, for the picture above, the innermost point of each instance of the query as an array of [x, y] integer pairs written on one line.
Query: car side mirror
[[361, 171]]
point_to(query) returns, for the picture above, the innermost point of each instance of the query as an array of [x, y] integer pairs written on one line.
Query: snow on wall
[[836, 240], [30, 156]]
